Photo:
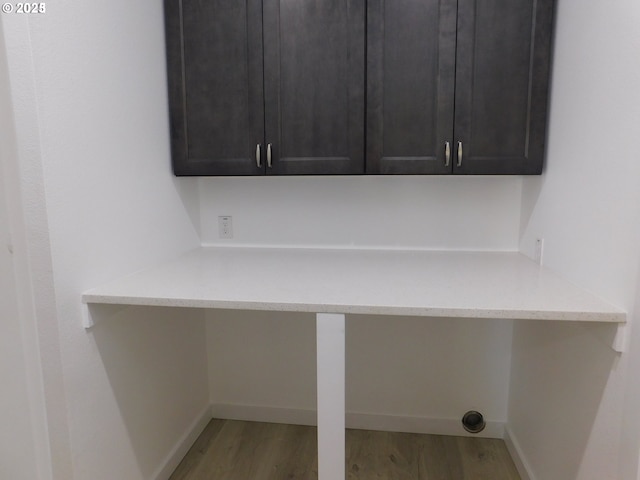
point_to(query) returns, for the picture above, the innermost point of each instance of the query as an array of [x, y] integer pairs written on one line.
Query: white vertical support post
[[330, 358]]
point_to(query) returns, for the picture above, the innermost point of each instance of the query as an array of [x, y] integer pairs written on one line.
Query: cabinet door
[[314, 85], [502, 75], [214, 57], [410, 85]]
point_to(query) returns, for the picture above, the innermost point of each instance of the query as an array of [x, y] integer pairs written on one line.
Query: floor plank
[[198, 451], [485, 460], [232, 450], [297, 457]]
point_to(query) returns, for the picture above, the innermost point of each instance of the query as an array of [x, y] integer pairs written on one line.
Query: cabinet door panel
[[314, 85], [502, 84], [410, 85], [216, 85]]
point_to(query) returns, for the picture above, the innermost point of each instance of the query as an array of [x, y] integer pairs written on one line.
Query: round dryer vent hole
[[473, 422]]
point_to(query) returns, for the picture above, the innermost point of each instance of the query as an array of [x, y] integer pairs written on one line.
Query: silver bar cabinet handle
[[447, 154], [269, 155], [258, 161], [459, 154]]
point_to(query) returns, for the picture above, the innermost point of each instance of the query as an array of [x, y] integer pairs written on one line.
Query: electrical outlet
[[225, 226], [539, 251]]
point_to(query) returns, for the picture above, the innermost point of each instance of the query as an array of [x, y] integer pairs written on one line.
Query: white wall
[[17, 446], [17, 442], [93, 75], [457, 213], [630, 442], [393, 364], [26, 449], [568, 387]]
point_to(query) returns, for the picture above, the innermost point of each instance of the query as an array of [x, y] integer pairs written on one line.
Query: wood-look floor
[[235, 450]]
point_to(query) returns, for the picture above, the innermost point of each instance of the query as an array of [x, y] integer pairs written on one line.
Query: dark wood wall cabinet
[[348, 87]]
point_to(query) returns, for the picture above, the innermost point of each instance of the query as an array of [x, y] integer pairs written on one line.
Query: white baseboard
[[360, 421], [524, 469], [255, 413], [428, 425], [182, 446]]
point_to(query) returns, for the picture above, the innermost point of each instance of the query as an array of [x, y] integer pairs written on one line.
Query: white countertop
[[389, 282]]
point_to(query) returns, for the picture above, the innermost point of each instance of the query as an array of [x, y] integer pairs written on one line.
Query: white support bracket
[[87, 317], [613, 335], [91, 312], [619, 343], [330, 358]]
